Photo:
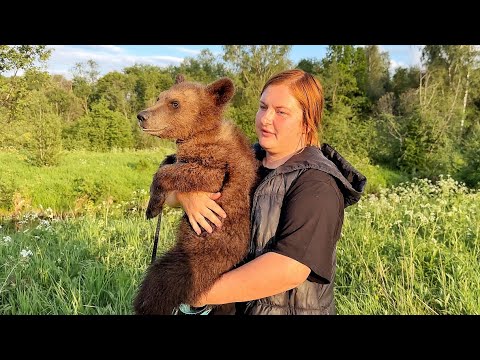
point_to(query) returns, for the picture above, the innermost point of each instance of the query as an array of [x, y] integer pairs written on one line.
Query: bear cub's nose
[[142, 116]]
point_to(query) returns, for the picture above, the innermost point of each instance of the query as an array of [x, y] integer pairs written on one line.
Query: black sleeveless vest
[[309, 298]]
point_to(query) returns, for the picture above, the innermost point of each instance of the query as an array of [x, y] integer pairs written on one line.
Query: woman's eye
[[175, 104], [263, 107]]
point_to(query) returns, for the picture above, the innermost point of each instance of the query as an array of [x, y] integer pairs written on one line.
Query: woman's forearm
[[267, 275]]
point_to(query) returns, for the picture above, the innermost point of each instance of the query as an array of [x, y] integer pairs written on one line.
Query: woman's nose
[[267, 117]]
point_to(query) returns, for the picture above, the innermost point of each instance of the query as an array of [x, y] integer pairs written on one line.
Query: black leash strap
[[155, 241]]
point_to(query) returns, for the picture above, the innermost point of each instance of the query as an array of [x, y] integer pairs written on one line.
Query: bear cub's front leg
[[157, 194]]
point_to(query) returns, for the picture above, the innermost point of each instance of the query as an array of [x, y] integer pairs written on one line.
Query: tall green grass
[[85, 179], [81, 178], [414, 249], [86, 265], [74, 239]]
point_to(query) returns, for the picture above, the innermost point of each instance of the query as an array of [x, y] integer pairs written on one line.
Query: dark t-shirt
[[310, 222]]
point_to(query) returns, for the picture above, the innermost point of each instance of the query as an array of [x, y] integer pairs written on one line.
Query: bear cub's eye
[[175, 104]]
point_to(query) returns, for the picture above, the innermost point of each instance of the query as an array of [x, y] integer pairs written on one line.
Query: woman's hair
[[309, 93]]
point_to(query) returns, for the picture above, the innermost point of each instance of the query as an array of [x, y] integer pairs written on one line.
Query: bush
[[42, 127]]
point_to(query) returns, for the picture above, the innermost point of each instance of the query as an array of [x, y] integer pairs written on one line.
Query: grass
[[86, 265], [414, 249], [410, 249], [81, 177]]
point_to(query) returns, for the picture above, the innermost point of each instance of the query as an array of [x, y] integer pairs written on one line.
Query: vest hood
[[325, 158]]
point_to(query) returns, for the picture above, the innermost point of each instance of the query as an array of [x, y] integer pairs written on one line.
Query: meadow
[[74, 239]]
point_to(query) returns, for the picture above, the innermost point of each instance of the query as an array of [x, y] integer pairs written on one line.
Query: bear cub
[[212, 155]]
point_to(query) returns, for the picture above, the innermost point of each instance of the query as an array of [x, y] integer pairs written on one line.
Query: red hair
[[309, 93]]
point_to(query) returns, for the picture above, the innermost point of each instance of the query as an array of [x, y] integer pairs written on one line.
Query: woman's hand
[[201, 205]]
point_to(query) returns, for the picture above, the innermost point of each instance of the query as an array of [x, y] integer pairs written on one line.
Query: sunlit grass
[[81, 177], [411, 249], [86, 265]]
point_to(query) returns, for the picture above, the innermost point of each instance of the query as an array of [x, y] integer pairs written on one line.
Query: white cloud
[[108, 57], [112, 48], [394, 65], [185, 50], [416, 54]]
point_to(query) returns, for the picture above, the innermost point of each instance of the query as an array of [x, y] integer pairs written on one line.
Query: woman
[[297, 210]]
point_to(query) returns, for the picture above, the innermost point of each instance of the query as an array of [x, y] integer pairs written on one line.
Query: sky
[[116, 57]]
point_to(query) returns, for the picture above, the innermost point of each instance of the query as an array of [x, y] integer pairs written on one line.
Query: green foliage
[[204, 68], [377, 73], [87, 188], [79, 177], [312, 66], [22, 57], [405, 79], [413, 249], [378, 177], [343, 129], [341, 67], [117, 90], [244, 117], [416, 123], [423, 126], [100, 130], [149, 81], [470, 172], [7, 190], [65, 103], [41, 138], [254, 65], [85, 76]]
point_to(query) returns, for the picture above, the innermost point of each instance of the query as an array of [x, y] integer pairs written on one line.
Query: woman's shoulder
[[314, 175], [316, 182]]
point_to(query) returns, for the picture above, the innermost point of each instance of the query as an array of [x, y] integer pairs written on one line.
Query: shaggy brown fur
[[212, 155]]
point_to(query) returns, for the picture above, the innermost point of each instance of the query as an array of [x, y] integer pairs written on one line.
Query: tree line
[[421, 120]]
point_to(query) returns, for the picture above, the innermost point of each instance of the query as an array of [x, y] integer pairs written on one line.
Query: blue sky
[[117, 57]]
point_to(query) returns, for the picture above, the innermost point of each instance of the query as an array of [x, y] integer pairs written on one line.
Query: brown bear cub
[[212, 155]]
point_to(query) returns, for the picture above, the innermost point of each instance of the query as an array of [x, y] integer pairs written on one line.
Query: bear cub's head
[[186, 108]]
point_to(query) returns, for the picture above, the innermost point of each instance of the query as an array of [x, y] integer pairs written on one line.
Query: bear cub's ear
[[222, 90], [179, 79]]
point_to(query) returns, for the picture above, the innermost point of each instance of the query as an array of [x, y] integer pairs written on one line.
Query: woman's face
[[279, 121]]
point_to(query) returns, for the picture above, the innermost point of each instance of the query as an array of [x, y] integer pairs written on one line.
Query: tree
[[455, 63], [101, 129], [85, 76], [377, 72], [118, 91], [148, 82], [41, 130], [204, 68], [338, 75], [469, 172], [405, 79], [345, 122], [312, 66], [252, 66], [15, 59]]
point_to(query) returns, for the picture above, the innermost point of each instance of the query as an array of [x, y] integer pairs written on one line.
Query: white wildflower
[[26, 253], [7, 239]]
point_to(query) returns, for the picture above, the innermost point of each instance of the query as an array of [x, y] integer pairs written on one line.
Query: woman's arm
[[198, 205], [266, 275]]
